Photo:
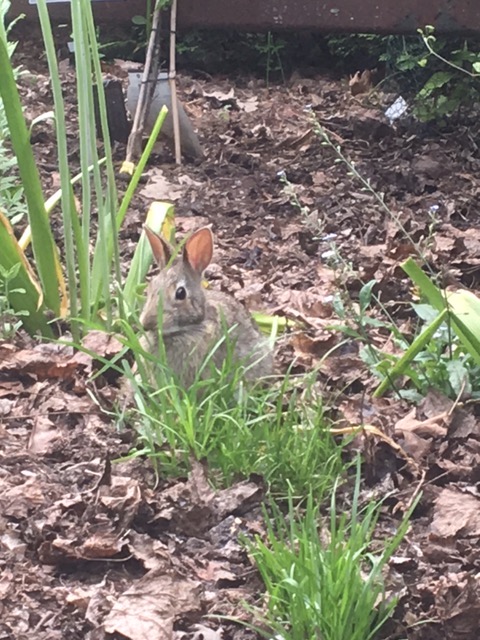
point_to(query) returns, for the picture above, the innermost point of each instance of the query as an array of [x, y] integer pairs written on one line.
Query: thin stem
[[427, 39], [173, 83], [366, 183]]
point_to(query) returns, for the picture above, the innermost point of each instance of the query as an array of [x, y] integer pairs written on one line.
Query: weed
[[454, 84], [271, 49], [441, 74], [313, 220], [400, 55], [443, 364], [440, 362], [11, 191], [437, 357]]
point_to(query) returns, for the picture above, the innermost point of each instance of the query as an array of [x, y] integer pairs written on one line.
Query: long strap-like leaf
[[42, 238], [25, 297]]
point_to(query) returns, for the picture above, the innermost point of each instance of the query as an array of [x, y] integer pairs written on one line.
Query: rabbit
[[195, 319]]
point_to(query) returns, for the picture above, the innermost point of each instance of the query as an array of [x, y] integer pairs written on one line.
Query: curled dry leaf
[[149, 608], [44, 432], [361, 82], [43, 362], [431, 427]]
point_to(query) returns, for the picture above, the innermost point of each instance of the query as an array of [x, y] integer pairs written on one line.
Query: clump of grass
[[323, 576], [277, 429]]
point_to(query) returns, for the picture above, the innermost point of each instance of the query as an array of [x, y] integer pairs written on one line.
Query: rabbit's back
[[250, 347]]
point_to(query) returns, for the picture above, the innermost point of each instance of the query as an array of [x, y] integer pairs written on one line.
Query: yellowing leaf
[[26, 293]]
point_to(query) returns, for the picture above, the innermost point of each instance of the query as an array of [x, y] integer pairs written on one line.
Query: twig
[[414, 495], [375, 431], [428, 38], [172, 75], [147, 88]]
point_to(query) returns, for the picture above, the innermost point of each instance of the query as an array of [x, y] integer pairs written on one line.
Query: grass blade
[[68, 205]]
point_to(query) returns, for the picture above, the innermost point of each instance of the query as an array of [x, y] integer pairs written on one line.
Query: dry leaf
[[148, 609]]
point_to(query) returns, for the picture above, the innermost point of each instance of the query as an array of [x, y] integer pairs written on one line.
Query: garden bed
[[95, 548]]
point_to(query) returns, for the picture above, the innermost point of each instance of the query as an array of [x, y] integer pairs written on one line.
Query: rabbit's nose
[[148, 321]]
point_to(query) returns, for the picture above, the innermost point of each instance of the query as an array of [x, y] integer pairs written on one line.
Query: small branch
[[147, 88], [173, 83], [426, 41]]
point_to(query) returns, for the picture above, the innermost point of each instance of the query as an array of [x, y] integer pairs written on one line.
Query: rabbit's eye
[[180, 293]]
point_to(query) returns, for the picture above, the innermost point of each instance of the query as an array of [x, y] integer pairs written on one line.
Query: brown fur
[[192, 326]]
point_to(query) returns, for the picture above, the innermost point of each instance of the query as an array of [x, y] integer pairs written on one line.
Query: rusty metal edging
[[361, 16]]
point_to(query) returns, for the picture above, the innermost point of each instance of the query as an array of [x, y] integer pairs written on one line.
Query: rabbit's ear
[[199, 250], [162, 251]]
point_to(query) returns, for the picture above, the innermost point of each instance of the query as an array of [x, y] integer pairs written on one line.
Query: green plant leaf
[[42, 239], [269, 323], [418, 345], [365, 295], [160, 218], [139, 21], [458, 376], [31, 300], [463, 307]]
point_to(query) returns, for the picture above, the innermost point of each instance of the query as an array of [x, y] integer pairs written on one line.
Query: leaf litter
[[92, 548]]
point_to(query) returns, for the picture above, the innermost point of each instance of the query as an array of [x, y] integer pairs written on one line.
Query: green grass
[[323, 575], [278, 430]]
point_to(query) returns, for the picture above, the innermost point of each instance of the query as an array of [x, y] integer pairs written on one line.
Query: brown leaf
[[18, 501], [317, 346], [238, 498], [434, 426], [149, 608], [198, 483], [44, 432], [361, 82], [44, 361], [160, 188], [214, 572], [102, 343], [96, 547], [456, 513]]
